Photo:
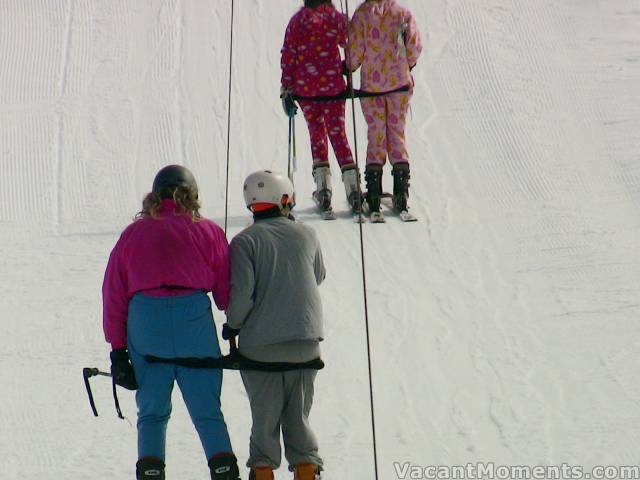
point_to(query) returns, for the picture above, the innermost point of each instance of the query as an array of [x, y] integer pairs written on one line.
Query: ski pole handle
[[93, 372]]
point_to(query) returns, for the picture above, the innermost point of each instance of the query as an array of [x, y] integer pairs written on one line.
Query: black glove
[[228, 332], [122, 370], [288, 103]]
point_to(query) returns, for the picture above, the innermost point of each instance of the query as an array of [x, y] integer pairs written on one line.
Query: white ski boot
[[322, 195], [351, 180]]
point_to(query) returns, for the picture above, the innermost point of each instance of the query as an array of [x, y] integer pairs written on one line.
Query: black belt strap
[[236, 361], [115, 399], [347, 94]]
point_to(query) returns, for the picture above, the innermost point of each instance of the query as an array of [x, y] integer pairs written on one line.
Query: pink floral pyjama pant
[[386, 119], [327, 119]]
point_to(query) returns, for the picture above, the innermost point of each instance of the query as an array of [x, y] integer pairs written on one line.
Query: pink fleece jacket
[[310, 57], [385, 41], [156, 255]]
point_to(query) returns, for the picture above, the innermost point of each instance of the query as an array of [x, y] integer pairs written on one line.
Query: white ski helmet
[[266, 189]]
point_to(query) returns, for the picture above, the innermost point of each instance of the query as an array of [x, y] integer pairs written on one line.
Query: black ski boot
[[322, 195], [150, 468], [400, 172], [224, 467], [373, 177]]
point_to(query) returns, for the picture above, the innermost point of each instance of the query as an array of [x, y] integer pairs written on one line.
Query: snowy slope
[[503, 324]]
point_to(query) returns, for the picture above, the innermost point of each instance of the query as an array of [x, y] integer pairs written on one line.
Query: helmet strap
[[287, 201]]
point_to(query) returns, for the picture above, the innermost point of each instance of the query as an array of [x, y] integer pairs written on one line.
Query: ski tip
[[405, 216], [328, 215], [377, 217]]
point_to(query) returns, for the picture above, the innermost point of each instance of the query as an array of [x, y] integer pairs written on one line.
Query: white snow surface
[[503, 325]]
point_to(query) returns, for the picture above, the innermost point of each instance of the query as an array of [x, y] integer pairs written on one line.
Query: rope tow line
[[352, 96], [226, 187]]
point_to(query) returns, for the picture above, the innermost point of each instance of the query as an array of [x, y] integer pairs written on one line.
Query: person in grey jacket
[[275, 309]]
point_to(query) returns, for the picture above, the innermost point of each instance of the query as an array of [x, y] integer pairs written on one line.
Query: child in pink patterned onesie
[[385, 42], [312, 67]]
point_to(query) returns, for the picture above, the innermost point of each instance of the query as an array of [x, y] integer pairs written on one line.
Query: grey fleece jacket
[[276, 267]]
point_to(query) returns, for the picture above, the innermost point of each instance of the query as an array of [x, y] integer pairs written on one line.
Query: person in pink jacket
[[385, 44], [155, 303], [311, 68]]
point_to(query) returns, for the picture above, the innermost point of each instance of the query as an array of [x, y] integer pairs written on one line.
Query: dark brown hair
[[315, 3], [185, 198]]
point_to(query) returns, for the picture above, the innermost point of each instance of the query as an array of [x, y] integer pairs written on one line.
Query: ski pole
[[87, 373], [289, 150], [295, 156], [292, 161]]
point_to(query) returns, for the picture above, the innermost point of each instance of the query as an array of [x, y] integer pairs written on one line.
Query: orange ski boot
[[261, 473], [306, 471]]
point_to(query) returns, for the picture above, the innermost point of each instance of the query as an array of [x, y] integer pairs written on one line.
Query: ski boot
[[373, 177], [150, 468], [306, 471], [400, 172], [351, 180], [322, 195], [224, 466], [261, 473]]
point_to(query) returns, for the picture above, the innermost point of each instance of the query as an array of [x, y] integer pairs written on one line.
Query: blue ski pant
[[179, 326]]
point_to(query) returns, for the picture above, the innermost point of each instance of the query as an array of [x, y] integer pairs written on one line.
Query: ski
[[377, 217], [404, 215], [374, 217], [325, 213], [328, 214], [359, 218], [358, 213]]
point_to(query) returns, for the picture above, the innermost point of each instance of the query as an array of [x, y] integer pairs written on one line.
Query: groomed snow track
[[504, 322]]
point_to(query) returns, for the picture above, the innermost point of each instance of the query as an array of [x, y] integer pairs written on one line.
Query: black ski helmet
[[174, 176]]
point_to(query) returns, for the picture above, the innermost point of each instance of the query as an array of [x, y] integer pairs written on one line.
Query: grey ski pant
[[281, 401]]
